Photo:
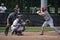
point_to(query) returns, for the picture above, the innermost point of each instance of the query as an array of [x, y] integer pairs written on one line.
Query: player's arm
[[8, 20], [40, 14], [19, 24]]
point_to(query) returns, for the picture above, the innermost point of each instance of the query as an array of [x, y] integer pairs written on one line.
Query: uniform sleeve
[[15, 22], [44, 13], [9, 16]]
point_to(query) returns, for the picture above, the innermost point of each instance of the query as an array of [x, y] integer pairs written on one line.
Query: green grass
[[2, 29], [38, 29], [31, 29]]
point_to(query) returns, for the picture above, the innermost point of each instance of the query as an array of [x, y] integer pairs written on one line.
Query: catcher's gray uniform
[[16, 27]]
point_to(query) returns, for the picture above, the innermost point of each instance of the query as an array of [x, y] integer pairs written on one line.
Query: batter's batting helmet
[[44, 8]]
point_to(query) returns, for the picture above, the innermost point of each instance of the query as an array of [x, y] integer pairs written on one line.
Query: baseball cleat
[[6, 33], [59, 33], [41, 34], [20, 34]]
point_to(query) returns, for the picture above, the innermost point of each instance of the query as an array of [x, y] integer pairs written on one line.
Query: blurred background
[[28, 9]]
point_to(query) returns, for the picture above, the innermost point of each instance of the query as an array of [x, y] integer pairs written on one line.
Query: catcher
[[18, 26]]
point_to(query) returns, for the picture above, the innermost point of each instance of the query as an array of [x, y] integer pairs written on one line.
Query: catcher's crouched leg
[[20, 30], [23, 29], [13, 30]]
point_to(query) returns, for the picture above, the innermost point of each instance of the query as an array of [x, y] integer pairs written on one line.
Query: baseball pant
[[50, 23], [16, 29]]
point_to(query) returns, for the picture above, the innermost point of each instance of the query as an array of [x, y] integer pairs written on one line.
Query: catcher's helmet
[[19, 16]]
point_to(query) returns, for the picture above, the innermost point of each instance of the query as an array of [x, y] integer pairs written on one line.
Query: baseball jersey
[[15, 22], [47, 16]]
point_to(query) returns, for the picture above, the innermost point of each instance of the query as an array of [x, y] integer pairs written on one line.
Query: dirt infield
[[31, 36]]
